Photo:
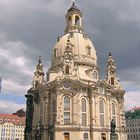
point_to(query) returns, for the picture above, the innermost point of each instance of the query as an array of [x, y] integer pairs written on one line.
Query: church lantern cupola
[[74, 20]]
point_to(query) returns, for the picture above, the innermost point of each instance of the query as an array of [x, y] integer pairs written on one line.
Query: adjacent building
[[71, 102], [11, 127], [133, 123]]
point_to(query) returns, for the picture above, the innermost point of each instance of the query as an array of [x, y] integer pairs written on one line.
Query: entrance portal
[[66, 136]]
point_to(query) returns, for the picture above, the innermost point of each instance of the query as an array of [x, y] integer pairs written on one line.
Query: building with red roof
[[11, 127]]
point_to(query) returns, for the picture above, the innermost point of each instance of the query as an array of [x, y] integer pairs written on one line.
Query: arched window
[[67, 69], [84, 111], [66, 103], [101, 112], [83, 105], [85, 136], [113, 112], [77, 20], [66, 110], [69, 20]]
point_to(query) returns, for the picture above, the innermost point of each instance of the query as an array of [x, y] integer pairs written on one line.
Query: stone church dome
[[74, 41], [78, 43]]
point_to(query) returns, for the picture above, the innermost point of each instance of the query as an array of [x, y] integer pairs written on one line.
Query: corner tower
[[73, 103]]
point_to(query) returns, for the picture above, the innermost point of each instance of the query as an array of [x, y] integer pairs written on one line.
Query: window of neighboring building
[[101, 111]]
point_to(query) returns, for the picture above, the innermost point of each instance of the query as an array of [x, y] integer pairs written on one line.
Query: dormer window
[[88, 50], [95, 75]]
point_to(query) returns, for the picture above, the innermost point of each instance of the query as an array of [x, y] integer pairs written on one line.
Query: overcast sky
[[29, 28]]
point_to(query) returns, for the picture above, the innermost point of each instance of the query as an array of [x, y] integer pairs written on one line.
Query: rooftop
[[9, 118], [134, 113]]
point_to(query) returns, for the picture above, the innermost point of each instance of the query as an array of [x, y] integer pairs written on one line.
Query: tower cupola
[[74, 20], [38, 74], [111, 72]]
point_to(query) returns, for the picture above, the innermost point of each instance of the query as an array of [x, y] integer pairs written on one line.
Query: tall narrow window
[[67, 69], [53, 111], [113, 112], [55, 53], [85, 136], [83, 105], [66, 103], [112, 80], [84, 111], [77, 21], [88, 50], [69, 20], [101, 112], [66, 118], [66, 110]]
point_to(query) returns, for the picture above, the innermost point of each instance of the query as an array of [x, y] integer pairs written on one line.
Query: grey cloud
[[114, 25]]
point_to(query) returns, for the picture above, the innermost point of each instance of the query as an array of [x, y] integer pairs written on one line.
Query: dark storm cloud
[[32, 27]]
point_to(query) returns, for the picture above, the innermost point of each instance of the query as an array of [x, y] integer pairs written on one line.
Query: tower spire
[[111, 72]]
